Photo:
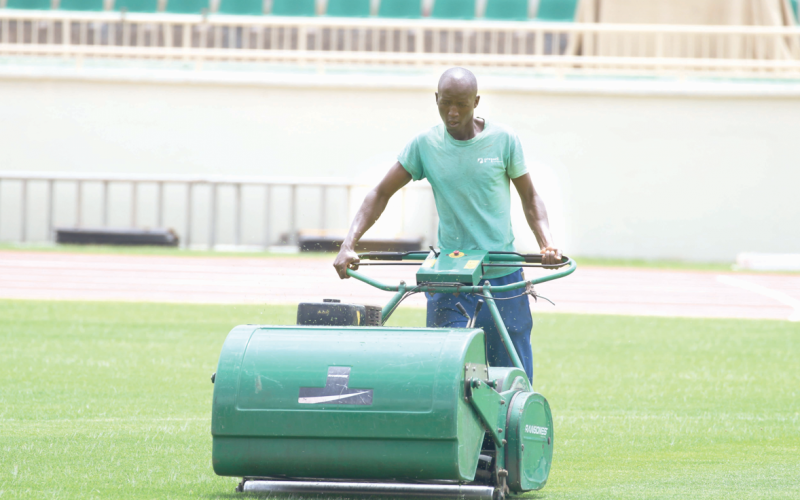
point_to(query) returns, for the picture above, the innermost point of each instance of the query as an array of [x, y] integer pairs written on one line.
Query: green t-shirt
[[470, 181]]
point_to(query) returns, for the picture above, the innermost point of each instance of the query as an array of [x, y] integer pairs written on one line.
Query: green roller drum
[[343, 408], [346, 402]]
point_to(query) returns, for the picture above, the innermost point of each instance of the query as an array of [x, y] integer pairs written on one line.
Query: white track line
[[767, 292]]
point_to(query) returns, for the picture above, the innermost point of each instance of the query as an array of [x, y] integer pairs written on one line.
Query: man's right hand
[[551, 256], [347, 258]]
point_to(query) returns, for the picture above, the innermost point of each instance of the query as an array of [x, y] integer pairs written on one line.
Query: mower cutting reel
[[336, 406]]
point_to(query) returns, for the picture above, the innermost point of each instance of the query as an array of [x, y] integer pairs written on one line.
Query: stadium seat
[[453, 9], [136, 5], [186, 6], [401, 9], [83, 5], [28, 4], [294, 7], [348, 8], [556, 10], [507, 10], [241, 7], [796, 13]]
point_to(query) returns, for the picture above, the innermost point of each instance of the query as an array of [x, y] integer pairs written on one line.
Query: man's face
[[456, 107]]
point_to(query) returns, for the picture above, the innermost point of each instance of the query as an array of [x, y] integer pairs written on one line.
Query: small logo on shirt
[[488, 160]]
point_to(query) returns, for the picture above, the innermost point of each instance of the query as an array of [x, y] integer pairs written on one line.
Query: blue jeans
[[516, 314]]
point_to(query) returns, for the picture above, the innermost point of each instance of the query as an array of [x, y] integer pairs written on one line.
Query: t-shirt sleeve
[[411, 160], [516, 161]]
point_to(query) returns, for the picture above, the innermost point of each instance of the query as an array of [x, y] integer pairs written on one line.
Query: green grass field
[[108, 400]]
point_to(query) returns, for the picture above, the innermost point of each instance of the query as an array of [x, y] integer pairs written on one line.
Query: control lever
[[471, 323], [463, 312], [435, 253]]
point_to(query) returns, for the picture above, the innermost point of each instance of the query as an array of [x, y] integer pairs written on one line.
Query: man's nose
[[453, 112]]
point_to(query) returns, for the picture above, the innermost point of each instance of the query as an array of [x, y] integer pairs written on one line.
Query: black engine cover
[[330, 313]]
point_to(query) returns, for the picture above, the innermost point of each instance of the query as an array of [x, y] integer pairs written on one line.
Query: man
[[468, 162]]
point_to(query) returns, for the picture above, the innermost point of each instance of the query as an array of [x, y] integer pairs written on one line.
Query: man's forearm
[[535, 211], [372, 208], [540, 225], [536, 215]]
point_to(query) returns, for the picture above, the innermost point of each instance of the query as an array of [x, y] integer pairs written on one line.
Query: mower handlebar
[[491, 257], [418, 255], [458, 288]]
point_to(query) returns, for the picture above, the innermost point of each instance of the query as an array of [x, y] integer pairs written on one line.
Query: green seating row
[[549, 10], [517, 10], [97, 5]]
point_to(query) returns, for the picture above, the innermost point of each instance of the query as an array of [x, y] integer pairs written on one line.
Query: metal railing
[[751, 50], [275, 213]]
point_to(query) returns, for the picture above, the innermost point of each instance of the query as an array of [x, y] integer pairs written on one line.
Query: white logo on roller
[[328, 399], [335, 390], [535, 429]]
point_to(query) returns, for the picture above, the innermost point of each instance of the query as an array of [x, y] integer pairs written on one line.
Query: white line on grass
[[767, 292]]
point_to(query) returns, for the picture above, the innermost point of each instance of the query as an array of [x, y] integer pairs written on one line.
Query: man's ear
[[477, 101], [437, 97]]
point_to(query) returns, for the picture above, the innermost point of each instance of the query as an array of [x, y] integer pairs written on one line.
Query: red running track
[[229, 280]]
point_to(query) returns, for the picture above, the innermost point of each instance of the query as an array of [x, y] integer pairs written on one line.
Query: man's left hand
[[551, 256]]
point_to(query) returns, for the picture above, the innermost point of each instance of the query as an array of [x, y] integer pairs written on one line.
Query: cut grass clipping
[[105, 400]]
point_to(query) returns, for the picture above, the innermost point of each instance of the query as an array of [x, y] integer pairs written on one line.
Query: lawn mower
[[342, 404]]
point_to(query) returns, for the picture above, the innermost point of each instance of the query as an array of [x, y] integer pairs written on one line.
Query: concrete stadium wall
[[641, 176]]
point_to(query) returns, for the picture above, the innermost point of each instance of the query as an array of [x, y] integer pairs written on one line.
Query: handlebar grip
[[528, 258], [533, 258], [382, 255], [536, 258], [414, 255]]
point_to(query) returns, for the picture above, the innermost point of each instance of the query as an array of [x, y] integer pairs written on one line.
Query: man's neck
[[470, 132]]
